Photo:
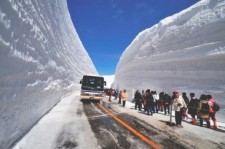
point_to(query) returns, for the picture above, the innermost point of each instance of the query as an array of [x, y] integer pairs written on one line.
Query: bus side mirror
[[81, 81], [104, 83]]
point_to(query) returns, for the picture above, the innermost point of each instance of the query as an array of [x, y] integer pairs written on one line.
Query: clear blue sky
[[107, 27]]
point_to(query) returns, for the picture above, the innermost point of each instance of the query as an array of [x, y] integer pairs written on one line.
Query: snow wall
[[184, 52], [41, 59]]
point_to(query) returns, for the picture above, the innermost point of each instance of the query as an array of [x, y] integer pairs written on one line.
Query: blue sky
[[107, 27]]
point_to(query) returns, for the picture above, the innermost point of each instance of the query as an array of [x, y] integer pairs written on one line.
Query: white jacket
[[177, 101]]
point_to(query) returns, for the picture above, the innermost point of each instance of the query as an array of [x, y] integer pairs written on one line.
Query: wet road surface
[[112, 135]]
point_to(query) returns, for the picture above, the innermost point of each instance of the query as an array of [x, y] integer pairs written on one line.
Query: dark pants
[[119, 102], [138, 104], [212, 116], [178, 117], [155, 107], [124, 102], [166, 108], [149, 108], [207, 121]]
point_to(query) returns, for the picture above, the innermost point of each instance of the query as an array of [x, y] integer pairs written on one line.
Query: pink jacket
[[211, 104]]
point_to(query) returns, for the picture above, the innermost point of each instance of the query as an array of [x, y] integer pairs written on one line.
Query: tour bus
[[92, 88]]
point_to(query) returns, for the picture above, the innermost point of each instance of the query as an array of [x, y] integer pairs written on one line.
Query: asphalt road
[[111, 134]]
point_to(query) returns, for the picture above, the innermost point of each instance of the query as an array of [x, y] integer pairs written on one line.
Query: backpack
[[216, 107], [204, 108]]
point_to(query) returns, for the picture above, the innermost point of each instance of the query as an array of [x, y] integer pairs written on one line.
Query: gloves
[[179, 104]]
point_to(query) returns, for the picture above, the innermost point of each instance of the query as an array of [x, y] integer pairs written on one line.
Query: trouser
[[167, 108], [149, 108], [178, 117], [137, 104], [207, 121], [213, 117], [124, 102], [155, 107], [119, 101]]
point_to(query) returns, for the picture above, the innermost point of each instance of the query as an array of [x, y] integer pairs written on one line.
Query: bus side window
[[105, 83]]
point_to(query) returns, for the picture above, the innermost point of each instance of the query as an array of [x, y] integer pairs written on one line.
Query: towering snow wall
[[184, 52], [41, 59]]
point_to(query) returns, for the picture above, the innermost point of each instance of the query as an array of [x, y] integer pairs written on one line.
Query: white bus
[[92, 88]]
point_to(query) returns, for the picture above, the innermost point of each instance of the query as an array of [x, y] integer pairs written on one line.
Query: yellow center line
[[141, 136]]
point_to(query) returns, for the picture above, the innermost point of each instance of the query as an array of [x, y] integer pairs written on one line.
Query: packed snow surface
[[184, 52], [41, 59]]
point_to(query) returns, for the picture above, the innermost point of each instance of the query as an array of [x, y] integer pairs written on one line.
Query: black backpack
[[204, 108], [216, 107]]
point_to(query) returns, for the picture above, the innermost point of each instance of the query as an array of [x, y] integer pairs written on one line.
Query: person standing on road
[[110, 94], [186, 99], [149, 101], [143, 100], [120, 96], [192, 107], [178, 103], [138, 99], [124, 97], [166, 102], [156, 102], [212, 113], [116, 94], [203, 110]]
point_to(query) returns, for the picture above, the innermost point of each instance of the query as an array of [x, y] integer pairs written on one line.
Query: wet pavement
[[112, 135]]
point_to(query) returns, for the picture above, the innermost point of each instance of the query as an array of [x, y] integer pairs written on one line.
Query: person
[[166, 102], [124, 97], [203, 110], [161, 104], [143, 100], [116, 94], [120, 96], [110, 94], [192, 107], [212, 113], [186, 99], [178, 103], [149, 101], [138, 99], [156, 102]]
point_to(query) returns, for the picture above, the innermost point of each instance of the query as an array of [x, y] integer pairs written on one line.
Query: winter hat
[[192, 94], [184, 94], [175, 92]]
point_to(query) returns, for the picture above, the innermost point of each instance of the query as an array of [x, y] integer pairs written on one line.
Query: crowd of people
[[152, 102]]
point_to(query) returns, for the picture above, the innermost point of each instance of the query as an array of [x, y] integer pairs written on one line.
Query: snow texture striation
[[184, 52], [41, 59]]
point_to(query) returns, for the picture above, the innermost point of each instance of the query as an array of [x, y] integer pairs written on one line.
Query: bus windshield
[[92, 83]]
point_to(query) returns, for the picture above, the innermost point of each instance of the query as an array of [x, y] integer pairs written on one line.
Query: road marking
[[141, 136]]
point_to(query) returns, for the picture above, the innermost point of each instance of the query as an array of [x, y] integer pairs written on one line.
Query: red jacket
[[211, 104]]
